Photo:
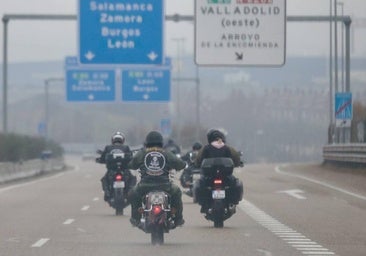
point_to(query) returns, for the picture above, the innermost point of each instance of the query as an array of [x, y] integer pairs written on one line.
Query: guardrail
[[20, 170], [345, 153]]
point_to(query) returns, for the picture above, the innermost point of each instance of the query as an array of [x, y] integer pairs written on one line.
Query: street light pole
[[198, 104], [179, 41], [341, 4], [5, 75], [336, 46], [331, 123], [46, 105]]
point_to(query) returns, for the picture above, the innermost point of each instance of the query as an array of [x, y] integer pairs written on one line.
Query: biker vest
[[155, 165]]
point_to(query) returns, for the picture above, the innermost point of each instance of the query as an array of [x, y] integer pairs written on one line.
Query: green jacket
[[155, 163]]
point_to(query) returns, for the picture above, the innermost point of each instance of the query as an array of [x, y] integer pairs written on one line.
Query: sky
[[53, 40]]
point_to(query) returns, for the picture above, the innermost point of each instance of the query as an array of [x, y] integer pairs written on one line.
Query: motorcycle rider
[[172, 146], [216, 147], [116, 146], [154, 163], [189, 158]]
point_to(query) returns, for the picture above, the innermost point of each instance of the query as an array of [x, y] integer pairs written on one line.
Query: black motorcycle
[[190, 175], [218, 189], [120, 180]]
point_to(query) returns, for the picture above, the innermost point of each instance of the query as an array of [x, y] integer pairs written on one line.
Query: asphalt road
[[286, 211]]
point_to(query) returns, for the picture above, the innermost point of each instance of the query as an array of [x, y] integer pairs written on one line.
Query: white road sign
[[240, 32]]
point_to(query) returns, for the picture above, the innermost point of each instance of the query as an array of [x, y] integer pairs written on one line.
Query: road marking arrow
[[294, 192]]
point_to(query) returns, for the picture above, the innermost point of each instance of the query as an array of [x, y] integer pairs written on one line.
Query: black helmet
[[214, 134], [154, 139], [197, 146], [118, 137]]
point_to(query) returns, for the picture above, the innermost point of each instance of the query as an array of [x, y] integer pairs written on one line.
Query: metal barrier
[[20, 170], [345, 153]]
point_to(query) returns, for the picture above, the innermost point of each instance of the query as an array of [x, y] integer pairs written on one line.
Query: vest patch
[[154, 163]]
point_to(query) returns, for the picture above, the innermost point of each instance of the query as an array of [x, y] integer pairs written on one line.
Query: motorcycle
[[190, 175], [120, 180], [157, 216], [188, 180], [216, 171]]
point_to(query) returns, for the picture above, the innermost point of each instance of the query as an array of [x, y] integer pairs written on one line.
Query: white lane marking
[[68, 221], [296, 239], [314, 249], [266, 253], [30, 182], [278, 170], [318, 253], [40, 242], [307, 246], [85, 207], [96, 199], [294, 193], [13, 240], [291, 237]]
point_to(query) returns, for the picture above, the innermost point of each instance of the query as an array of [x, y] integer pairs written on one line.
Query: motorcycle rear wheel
[[218, 223], [157, 236], [118, 202], [218, 218]]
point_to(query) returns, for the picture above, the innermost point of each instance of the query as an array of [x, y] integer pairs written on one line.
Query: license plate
[[196, 176], [218, 194], [119, 184]]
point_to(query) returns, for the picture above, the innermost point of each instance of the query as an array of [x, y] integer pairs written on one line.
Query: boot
[[135, 217]]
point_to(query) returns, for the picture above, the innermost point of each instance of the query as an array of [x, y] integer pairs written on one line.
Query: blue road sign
[[71, 61], [343, 106], [90, 85], [146, 84], [165, 127], [121, 32]]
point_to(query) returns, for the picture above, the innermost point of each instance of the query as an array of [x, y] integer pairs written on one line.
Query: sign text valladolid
[[240, 32]]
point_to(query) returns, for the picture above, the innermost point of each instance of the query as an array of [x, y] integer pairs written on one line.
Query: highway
[[287, 210]]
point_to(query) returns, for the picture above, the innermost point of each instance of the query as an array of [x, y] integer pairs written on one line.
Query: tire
[[119, 211], [218, 214], [193, 196], [118, 201], [218, 223], [157, 236]]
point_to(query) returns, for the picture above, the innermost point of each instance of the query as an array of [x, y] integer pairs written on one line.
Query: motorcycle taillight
[[118, 177], [157, 209], [217, 182]]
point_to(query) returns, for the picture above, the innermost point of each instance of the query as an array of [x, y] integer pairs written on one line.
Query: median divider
[[345, 153], [25, 169]]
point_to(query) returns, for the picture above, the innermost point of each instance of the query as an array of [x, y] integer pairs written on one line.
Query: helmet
[[214, 134], [154, 138], [197, 146], [118, 137]]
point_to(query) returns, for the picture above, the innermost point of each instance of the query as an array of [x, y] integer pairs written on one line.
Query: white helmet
[[118, 137]]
